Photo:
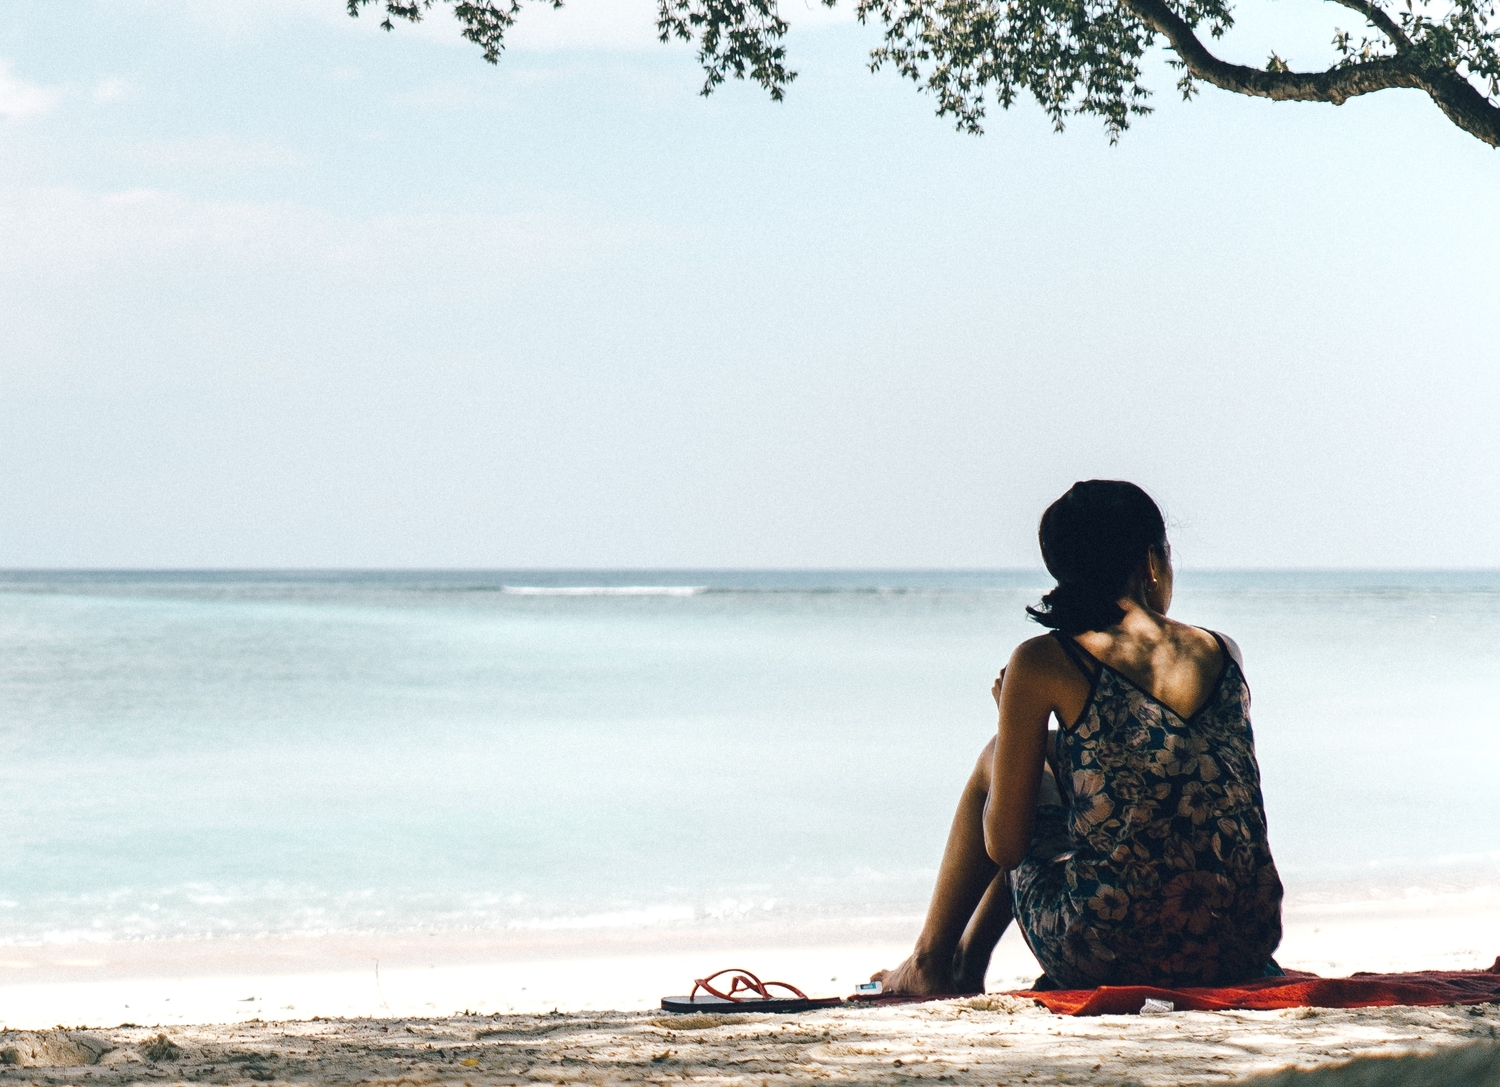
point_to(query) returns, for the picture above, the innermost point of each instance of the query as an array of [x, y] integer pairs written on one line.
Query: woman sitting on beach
[[1130, 844]]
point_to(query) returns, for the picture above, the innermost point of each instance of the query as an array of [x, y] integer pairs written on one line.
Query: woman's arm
[[1026, 694]]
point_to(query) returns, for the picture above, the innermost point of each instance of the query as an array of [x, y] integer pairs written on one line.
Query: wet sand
[[171, 982]]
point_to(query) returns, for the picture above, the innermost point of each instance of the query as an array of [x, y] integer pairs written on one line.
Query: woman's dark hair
[[1093, 539]]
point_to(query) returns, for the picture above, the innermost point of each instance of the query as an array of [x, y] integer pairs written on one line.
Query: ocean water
[[209, 754]]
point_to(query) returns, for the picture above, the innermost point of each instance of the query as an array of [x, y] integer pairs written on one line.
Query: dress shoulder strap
[[1230, 656], [1086, 661]]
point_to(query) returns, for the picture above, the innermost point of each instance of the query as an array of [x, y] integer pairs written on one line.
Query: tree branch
[[1454, 95], [1380, 21]]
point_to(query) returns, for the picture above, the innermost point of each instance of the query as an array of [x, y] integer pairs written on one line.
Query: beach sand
[[580, 1008], [983, 1040]]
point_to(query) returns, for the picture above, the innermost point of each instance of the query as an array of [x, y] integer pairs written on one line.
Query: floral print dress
[[1156, 869]]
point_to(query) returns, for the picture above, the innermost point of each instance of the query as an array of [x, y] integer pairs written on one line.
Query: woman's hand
[[995, 690]]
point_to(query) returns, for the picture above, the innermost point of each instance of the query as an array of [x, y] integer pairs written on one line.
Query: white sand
[[980, 1041]]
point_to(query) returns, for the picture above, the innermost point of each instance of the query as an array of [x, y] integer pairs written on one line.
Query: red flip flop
[[758, 996]]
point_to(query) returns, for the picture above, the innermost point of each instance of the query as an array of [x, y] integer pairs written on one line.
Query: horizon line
[[1377, 569]]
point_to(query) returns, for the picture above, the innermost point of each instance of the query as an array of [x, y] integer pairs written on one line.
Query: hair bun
[[1073, 609]]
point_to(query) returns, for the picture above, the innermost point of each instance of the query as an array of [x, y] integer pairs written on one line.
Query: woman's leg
[[970, 905], [991, 918]]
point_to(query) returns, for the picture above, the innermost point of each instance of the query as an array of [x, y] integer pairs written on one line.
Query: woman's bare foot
[[917, 977]]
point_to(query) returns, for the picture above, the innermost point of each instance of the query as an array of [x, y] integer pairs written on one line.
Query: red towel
[[1295, 990]]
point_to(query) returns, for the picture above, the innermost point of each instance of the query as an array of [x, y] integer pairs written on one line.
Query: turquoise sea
[[217, 753]]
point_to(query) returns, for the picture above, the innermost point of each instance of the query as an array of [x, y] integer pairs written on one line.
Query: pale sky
[[279, 289]]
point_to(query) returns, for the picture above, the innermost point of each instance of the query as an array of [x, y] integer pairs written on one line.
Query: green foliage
[[1073, 56], [734, 37], [1461, 35], [484, 22]]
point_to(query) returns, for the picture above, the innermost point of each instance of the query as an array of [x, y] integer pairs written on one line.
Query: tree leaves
[[734, 37], [484, 22], [1073, 56], [1464, 37], [1461, 35]]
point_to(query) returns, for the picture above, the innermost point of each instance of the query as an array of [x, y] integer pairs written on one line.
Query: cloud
[[607, 25], [217, 151], [579, 24], [586, 24], [67, 233], [111, 90], [239, 19], [623, 24], [453, 94], [21, 99]]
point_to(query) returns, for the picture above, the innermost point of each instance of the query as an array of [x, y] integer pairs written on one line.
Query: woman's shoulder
[[1043, 655], [1043, 649], [1046, 679], [1209, 641]]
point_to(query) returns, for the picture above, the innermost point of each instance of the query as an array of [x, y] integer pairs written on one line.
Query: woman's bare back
[[1176, 664]]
